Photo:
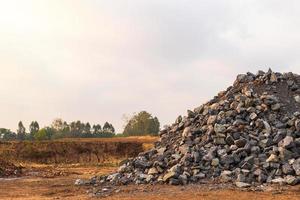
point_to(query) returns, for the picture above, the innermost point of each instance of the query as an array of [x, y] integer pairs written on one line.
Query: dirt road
[[48, 182]]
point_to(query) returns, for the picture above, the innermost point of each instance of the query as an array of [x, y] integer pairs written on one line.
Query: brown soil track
[[62, 187]]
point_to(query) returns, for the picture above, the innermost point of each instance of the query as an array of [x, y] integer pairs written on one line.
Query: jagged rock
[[242, 184], [272, 158], [215, 162], [187, 132], [79, 182], [297, 98], [291, 180], [296, 166], [219, 128], [152, 171], [287, 142], [169, 175], [240, 142]]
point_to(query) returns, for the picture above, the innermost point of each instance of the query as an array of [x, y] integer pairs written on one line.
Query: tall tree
[[33, 128], [97, 129], [21, 132], [108, 128], [142, 123]]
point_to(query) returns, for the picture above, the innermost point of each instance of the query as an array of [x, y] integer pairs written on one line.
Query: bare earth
[[57, 182]]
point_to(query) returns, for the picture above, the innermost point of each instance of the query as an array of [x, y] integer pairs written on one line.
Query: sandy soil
[[57, 182]]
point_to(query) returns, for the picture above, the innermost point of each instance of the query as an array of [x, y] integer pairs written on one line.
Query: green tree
[[21, 132], [97, 129], [142, 123], [108, 128], [7, 135], [41, 135], [33, 128]]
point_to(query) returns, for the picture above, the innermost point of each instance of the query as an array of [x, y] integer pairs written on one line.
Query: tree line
[[140, 124], [58, 129]]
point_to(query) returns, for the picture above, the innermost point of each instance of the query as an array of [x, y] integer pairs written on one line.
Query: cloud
[[97, 60]]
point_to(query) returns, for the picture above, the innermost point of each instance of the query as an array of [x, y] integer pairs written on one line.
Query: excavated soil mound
[[247, 135]]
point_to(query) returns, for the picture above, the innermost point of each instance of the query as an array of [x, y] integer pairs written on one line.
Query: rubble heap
[[247, 135]]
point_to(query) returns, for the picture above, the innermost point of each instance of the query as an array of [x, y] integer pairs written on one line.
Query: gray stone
[[141, 164], [219, 141], [215, 162], [79, 182], [212, 119], [291, 180], [229, 140], [169, 175], [253, 116], [272, 158], [240, 142], [242, 184], [297, 124], [287, 169], [297, 98], [285, 154], [219, 128], [296, 166], [278, 180], [265, 143], [287, 142], [275, 107], [152, 171], [268, 129], [226, 176], [186, 132]]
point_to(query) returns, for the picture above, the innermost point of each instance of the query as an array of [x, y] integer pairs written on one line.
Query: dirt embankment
[[74, 151]]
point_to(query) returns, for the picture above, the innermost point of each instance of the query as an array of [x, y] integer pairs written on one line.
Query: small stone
[[219, 141], [296, 166], [240, 142], [161, 150], [219, 128], [229, 140], [186, 132], [79, 182], [276, 107], [212, 119], [242, 184], [278, 180], [267, 128], [215, 162], [272, 158], [265, 143], [287, 142], [174, 181], [169, 175], [152, 171], [179, 119], [291, 180], [199, 175], [287, 169], [253, 116], [297, 98], [297, 124], [273, 78], [226, 176]]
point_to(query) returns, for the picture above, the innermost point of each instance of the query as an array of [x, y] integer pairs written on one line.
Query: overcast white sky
[[96, 60]]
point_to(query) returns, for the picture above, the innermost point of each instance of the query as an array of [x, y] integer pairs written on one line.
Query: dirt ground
[[57, 182]]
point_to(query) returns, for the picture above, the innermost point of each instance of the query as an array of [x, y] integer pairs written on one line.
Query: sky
[[96, 60]]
